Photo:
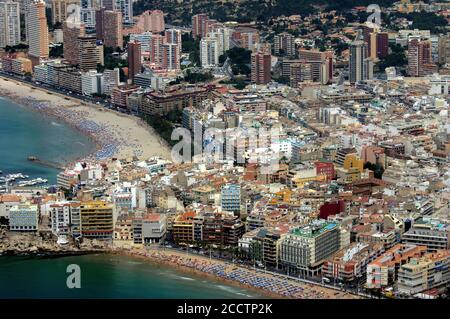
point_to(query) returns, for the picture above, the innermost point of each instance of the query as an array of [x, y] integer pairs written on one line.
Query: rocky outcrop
[[13, 243]]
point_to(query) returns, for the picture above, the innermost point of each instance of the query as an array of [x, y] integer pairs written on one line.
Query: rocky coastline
[[44, 244]]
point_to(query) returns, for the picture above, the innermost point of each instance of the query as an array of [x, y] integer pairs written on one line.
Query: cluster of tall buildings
[[215, 39]]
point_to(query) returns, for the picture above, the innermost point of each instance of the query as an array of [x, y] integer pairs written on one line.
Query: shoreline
[[193, 264], [113, 134], [200, 266], [198, 273]]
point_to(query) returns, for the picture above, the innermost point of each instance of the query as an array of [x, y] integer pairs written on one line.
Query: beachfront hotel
[[162, 102], [90, 53], [37, 32], [383, 271], [304, 249], [96, 220], [424, 273], [71, 44]]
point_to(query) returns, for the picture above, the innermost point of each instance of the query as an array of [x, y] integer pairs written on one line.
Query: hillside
[[180, 11]]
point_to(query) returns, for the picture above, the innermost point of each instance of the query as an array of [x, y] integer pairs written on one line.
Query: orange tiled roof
[[9, 198]]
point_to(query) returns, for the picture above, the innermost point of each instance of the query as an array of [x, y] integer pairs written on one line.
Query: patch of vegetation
[[238, 82], [164, 125], [424, 20], [56, 51], [15, 48], [240, 58], [192, 77], [396, 58], [377, 169], [191, 46]]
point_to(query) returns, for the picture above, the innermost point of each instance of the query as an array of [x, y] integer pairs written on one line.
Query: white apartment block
[[209, 52], [9, 23], [23, 218], [92, 83]]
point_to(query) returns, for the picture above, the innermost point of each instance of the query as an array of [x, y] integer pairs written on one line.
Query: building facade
[[9, 23]]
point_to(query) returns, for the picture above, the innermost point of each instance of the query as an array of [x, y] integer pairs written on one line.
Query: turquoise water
[[106, 276], [24, 132]]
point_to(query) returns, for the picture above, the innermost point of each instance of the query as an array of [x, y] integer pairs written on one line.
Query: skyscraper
[[300, 72], [261, 65], [156, 42], [99, 23], [37, 32], [25, 10], [90, 53], [171, 57], [223, 36], [61, 9], [444, 49], [71, 32], [173, 36], [199, 25], [108, 5], [111, 79], [9, 23], [134, 59], [209, 52], [87, 13], [322, 63], [231, 198], [382, 45], [360, 67], [126, 8], [284, 44], [419, 56], [112, 29]]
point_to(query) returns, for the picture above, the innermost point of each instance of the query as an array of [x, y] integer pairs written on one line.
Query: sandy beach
[[115, 134], [263, 283]]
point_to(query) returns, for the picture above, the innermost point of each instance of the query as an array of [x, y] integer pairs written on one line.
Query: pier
[[45, 163]]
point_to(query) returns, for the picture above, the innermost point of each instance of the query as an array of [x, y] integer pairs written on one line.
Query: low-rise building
[[383, 271], [21, 66], [433, 234], [120, 95], [96, 220], [183, 228], [23, 217], [162, 102], [350, 264], [423, 273], [154, 228]]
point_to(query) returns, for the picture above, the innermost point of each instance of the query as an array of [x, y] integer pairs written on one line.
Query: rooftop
[[314, 229]]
